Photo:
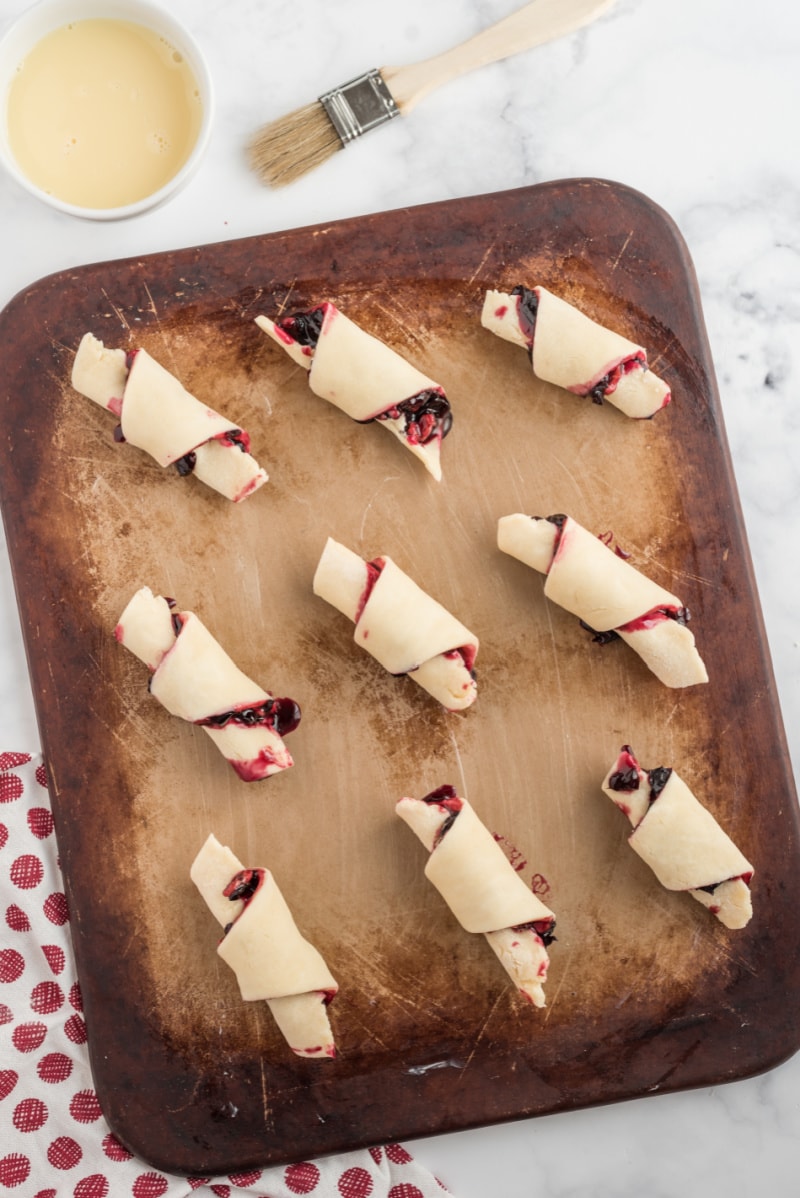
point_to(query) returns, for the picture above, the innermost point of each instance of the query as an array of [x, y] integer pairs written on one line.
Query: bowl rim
[[21, 33]]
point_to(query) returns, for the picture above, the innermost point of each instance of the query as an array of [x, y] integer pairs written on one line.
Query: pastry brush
[[301, 140]]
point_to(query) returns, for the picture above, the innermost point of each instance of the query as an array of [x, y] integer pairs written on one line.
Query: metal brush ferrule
[[360, 105]]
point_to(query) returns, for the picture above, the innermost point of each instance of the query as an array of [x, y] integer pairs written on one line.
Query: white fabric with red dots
[[54, 1141]]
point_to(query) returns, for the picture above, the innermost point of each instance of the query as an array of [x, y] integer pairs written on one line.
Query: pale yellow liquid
[[102, 113]]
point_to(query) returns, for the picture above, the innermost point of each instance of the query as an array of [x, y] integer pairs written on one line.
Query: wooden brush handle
[[540, 21]]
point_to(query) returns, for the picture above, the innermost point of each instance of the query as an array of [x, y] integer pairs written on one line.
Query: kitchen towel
[[54, 1141]]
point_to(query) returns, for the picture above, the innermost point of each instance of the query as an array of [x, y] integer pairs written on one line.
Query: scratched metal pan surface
[[647, 992]]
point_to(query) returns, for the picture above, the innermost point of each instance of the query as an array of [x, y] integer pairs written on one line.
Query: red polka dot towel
[[54, 1142]]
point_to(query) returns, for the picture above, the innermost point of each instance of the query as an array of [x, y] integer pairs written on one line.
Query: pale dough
[[159, 416], [574, 352], [681, 841], [194, 678], [271, 959], [481, 887], [400, 625], [361, 375], [594, 583]]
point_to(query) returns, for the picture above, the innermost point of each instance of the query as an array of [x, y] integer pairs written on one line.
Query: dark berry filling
[[681, 615], [600, 638], [303, 327], [445, 796], [544, 929], [658, 779], [626, 777], [242, 887], [186, 464], [527, 309], [427, 416], [281, 715], [608, 384], [746, 878], [234, 437], [559, 520]]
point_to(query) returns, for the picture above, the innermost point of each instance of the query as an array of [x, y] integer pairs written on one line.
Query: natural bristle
[[293, 145]]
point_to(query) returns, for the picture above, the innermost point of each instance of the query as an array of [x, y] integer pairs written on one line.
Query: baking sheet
[[646, 992]]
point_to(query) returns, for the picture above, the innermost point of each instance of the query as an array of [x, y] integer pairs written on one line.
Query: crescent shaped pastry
[[481, 887], [610, 597], [193, 677], [574, 352], [365, 378], [399, 624], [262, 945], [680, 840], [159, 416]]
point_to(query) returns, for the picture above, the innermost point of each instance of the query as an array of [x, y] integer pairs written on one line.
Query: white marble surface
[[695, 105]]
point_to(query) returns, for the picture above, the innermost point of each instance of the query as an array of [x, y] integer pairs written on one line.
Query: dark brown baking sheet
[[647, 992]]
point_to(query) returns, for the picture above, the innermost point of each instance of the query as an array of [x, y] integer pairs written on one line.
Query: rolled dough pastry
[[574, 352], [365, 378], [406, 630], [262, 945], [193, 677], [159, 416], [588, 578], [680, 839], [481, 887]]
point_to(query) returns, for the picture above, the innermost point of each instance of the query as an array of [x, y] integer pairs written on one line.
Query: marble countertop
[[692, 105]]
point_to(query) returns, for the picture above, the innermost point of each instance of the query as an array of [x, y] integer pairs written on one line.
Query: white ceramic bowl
[[47, 15]]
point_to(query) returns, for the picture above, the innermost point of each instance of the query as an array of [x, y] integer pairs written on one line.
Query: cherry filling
[[374, 569], [527, 311], [233, 437], [559, 519], [681, 615], [608, 384], [303, 327], [746, 878], [242, 887], [544, 929], [427, 414], [656, 615], [446, 797], [281, 715], [625, 777], [467, 653]]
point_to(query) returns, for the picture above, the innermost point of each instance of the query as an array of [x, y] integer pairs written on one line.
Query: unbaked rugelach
[[680, 839], [481, 887], [607, 594], [399, 624], [573, 351], [195, 679], [263, 946], [158, 415], [365, 378]]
